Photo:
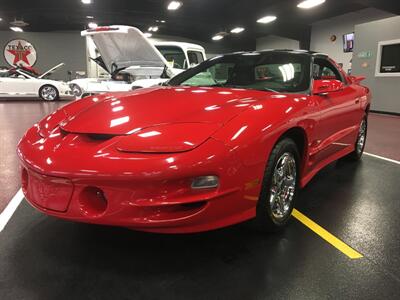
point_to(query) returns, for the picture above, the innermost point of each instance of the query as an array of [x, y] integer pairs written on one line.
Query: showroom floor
[[46, 258]]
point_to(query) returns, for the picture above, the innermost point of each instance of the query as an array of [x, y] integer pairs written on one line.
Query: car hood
[[127, 113], [124, 46]]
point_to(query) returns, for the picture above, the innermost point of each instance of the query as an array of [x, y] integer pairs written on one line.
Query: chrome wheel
[[76, 90], [283, 186], [48, 93], [362, 136]]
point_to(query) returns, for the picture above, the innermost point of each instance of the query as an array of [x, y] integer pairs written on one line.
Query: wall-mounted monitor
[[348, 42], [388, 59]]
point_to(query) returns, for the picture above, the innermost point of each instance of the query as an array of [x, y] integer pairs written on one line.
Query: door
[[338, 113]]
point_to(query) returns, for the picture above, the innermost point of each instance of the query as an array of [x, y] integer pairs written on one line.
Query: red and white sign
[[20, 52]]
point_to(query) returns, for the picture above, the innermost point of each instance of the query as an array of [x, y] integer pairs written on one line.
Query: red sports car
[[229, 140]]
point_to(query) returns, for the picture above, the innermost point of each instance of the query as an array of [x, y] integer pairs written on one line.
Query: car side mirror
[[324, 87]]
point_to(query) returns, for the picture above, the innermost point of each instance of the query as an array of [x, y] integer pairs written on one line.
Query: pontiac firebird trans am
[[229, 140]]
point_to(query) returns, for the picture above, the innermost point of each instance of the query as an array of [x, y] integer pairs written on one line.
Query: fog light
[[205, 182]]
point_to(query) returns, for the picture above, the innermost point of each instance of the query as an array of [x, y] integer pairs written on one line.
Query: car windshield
[[266, 71]]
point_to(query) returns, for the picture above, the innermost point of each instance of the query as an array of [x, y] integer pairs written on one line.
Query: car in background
[[229, 140], [26, 83], [133, 61]]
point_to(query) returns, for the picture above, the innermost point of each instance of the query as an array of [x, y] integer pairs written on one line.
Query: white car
[[19, 83], [133, 61]]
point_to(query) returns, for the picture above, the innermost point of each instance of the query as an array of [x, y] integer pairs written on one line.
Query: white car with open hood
[[133, 61], [24, 83]]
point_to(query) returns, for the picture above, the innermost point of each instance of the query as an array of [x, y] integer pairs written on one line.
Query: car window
[[278, 71], [195, 57], [174, 55], [324, 69]]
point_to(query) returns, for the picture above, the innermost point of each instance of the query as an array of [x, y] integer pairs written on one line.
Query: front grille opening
[[100, 136]]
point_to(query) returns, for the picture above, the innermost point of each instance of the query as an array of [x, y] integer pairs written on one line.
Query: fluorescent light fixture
[[89, 17], [92, 25], [17, 29], [217, 37], [266, 19], [147, 34], [310, 3], [86, 1], [237, 30], [174, 5]]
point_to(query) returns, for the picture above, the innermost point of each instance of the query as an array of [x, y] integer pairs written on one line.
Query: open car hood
[[124, 46], [52, 70]]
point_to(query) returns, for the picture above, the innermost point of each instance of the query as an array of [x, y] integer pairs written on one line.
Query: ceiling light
[[237, 30], [86, 1], [147, 34], [266, 19], [153, 28], [217, 37], [310, 3], [162, 21], [1, 19], [89, 17], [92, 25], [16, 29], [174, 5]]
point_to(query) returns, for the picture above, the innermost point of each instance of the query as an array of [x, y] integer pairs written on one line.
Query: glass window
[[195, 57], [174, 55], [277, 71], [323, 69]]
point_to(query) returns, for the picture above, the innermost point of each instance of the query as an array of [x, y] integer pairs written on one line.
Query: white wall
[[276, 42], [323, 30]]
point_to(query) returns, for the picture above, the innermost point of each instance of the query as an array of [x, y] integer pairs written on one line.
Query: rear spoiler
[[357, 79]]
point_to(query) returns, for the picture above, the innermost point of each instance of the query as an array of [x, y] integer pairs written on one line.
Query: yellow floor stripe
[[331, 239]]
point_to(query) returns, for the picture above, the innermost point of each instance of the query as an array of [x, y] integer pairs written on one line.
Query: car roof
[[292, 51], [185, 46]]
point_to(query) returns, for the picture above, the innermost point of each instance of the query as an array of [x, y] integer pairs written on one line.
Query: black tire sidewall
[[52, 86], [264, 216]]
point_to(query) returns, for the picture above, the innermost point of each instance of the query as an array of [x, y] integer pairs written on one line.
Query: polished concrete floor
[[46, 258]]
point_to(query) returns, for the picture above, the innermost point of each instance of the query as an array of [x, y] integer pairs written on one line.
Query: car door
[[338, 112], [11, 86]]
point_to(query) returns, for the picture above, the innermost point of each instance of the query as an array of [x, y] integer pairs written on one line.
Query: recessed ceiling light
[[266, 19], [147, 34], [174, 5], [217, 37], [89, 17], [16, 29], [237, 30], [162, 21], [86, 1], [310, 3], [92, 25], [153, 28], [1, 19]]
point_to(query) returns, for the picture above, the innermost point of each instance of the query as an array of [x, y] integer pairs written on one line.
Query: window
[[325, 70], [195, 57], [265, 71], [174, 55]]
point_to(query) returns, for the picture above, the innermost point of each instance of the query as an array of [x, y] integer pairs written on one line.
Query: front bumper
[[139, 191]]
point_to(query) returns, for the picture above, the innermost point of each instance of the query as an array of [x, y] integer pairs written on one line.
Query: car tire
[[76, 90], [279, 187], [360, 141], [48, 93]]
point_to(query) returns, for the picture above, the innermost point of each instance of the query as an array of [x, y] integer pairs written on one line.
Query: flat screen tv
[[388, 58], [348, 42]]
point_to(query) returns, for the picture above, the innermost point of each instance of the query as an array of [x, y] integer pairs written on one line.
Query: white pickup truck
[[133, 61]]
